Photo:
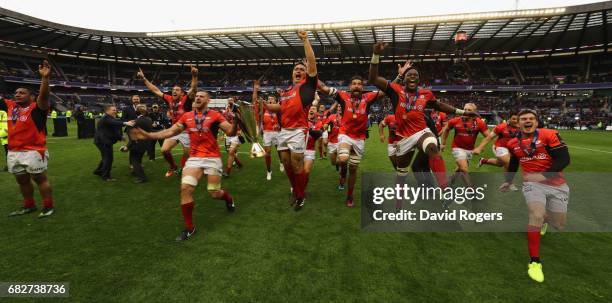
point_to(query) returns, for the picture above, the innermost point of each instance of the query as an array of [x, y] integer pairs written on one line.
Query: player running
[[389, 122], [28, 157], [333, 125], [178, 103], [315, 131], [322, 115], [466, 132], [271, 127], [409, 103], [293, 106], [202, 126], [504, 132], [232, 143], [439, 119], [354, 126], [542, 155]]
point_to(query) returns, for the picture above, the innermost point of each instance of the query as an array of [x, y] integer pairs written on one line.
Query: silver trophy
[[250, 128]]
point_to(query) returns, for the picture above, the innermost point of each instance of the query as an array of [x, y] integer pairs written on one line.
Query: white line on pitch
[[595, 150]]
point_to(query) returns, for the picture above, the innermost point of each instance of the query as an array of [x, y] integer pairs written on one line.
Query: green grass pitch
[[114, 242]]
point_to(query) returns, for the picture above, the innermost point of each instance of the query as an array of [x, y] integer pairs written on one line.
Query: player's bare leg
[[402, 170], [231, 157], [217, 192], [268, 159], [393, 160], [166, 150], [190, 179], [27, 192], [462, 171], [46, 192], [308, 164], [353, 165], [429, 145], [186, 151], [344, 152], [285, 157]]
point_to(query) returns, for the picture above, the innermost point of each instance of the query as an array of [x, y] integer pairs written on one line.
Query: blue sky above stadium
[[150, 16]]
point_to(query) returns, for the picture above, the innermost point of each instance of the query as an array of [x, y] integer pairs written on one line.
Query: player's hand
[[505, 187], [256, 85], [379, 47], [131, 123], [140, 74], [469, 113], [303, 35], [476, 151], [534, 177], [194, 71], [402, 69], [44, 69]]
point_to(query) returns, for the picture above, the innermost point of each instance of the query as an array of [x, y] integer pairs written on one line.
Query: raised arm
[[374, 78], [330, 91], [140, 75], [43, 96], [311, 61], [193, 88], [401, 71], [449, 109]]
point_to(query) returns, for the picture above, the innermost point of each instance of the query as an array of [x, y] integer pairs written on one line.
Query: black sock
[[535, 259]]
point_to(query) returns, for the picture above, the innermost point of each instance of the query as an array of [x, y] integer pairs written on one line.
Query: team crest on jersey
[[420, 107]]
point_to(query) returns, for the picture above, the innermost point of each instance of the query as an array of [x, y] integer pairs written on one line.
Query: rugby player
[[333, 124], [466, 132], [27, 156], [232, 143], [293, 107], [322, 115], [178, 103], [542, 155], [315, 131], [270, 127], [409, 103], [202, 126], [389, 122]]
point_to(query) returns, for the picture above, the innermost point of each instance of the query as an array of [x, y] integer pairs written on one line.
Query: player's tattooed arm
[[330, 91], [374, 78], [449, 109], [193, 88], [311, 61], [43, 96], [140, 75], [229, 129]]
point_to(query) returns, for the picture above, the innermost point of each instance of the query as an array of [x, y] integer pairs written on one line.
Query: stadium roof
[[534, 32]]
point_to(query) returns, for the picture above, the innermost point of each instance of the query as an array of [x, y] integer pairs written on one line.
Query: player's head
[[155, 108], [513, 120], [135, 99], [411, 79], [23, 95], [299, 72], [177, 92], [231, 101], [142, 109], [528, 120], [321, 108], [312, 112], [469, 107], [271, 99], [110, 110], [201, 100], [356, 86]]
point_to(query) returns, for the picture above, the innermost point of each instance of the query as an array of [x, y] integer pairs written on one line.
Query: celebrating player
[[466, 132], [179, 103], [389, 122], [504, 132], [542, 155], [351, 141], [202, 126], [409, 103], [271, 127], [333, 124], [27, 155], [322, 115], [232, 143], [293, 107], [315, 131], [439, 119]]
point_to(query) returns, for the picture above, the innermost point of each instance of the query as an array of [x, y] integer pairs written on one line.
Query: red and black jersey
[[466, 131], [26, 126], [409, 108], [390, 123], [439, 119], [270, 121], [533, 152], [179, 107], [504, 133], [334, 121], [355, 113], [203, 129], [313, 126], [295, 103]]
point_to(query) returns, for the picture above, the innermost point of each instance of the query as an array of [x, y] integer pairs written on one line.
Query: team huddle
[[294, 123]]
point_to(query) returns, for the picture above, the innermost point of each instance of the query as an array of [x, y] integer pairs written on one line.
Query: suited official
[[108, 133]]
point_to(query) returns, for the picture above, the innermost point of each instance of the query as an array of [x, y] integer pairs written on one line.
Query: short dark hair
[[107, 106], [357, 78], [23, 87], [527, 111]]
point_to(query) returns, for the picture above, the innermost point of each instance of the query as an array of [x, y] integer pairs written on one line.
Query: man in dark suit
[[131, 112], [137, 147], [107, 134], [159, 123]]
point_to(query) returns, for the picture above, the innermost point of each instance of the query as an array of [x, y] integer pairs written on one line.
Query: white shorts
[[462, 154], [358, 146], [211, 166], [270, 138], [29, 161], [332, 148], [405, 145], [391, 149], [182, 138], [554, 197], [309, 155], [232, 142], [500, 151], [293, 140], [325, 135]]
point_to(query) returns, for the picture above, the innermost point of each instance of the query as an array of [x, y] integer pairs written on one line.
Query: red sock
[[183, 160], [187, 210], [291, 176], [268, 162], [533, 241], [226, 196], [436, 163], [29, 203], [298, 190], [48, 203], [349, 192], [170, 159], [306, 179], [237, 161]]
